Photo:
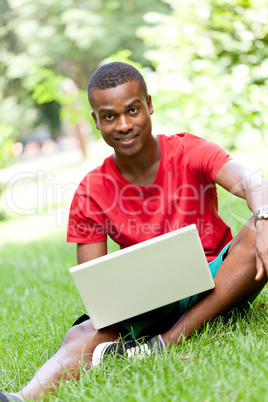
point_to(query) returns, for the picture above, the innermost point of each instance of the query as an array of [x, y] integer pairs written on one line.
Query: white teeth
[[126, 139]]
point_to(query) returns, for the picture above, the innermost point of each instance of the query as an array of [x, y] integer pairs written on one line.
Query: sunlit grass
[[224, 362]]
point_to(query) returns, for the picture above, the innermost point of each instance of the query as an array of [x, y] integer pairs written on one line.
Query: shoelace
[[140, 351]]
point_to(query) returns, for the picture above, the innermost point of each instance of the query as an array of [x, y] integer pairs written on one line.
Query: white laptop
[[143, 277]]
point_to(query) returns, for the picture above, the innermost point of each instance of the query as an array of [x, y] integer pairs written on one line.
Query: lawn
[[226, 361]]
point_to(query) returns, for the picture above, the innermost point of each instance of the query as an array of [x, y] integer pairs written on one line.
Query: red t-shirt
[[183, 193]]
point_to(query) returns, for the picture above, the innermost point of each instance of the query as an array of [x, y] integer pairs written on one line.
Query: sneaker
[[10, 397], [139, 348]]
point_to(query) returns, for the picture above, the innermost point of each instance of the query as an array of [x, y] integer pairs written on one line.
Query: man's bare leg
[[74, 353], [234, 283]]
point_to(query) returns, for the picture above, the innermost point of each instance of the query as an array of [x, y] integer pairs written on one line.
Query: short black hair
[[113, 74]]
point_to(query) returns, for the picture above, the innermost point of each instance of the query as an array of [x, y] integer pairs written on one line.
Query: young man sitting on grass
[[153, 184]]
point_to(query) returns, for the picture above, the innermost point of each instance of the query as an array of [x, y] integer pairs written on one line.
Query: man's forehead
[[121, 94]]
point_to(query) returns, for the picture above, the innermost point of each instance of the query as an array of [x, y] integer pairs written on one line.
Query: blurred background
[[205, 64]]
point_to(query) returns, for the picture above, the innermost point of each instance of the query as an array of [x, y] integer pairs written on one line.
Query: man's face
[[123, 115]]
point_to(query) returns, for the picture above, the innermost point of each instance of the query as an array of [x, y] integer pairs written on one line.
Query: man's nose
[[124, 124]]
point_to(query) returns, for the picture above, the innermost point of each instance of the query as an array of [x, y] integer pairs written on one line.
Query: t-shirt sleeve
[[86, 222], [205, 156]]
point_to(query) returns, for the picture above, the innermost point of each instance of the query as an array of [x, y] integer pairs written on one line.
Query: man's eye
[[133, 110], [108, 117]]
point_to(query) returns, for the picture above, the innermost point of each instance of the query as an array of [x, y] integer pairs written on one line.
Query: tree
[[69, 38], [210, 61]]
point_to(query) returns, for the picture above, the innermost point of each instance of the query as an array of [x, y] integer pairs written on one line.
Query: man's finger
[[260, 269]]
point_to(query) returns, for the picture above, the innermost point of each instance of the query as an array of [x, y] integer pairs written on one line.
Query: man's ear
[[93, 114], [150, 104]]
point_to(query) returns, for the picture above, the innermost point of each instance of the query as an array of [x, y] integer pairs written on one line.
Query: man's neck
[[140, 169]]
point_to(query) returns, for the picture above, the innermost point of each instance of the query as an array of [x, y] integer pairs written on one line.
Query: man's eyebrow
[[129, 105], [106, 110], [133, 103]]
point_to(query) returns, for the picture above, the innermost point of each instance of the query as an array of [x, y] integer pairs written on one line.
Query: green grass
[[227, 361]]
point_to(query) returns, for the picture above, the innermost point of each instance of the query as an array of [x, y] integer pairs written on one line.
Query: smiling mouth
[[126, 140]]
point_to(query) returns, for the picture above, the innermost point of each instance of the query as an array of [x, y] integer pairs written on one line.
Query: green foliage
[[45, 85], [70, 38], [210, 63], [205, 62]]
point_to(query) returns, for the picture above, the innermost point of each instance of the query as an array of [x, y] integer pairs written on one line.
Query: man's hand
[[261, 249]]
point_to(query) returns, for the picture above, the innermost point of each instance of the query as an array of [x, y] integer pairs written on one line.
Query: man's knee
[[244, 245], [85, 336]]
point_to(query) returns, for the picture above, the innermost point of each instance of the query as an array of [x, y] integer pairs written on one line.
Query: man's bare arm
[[251, 186], [245, 183], [90, 251]]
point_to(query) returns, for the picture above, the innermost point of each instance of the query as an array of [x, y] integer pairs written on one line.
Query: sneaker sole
[[99, 352]]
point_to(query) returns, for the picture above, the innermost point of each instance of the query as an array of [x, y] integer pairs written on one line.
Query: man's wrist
[[262, 213]]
